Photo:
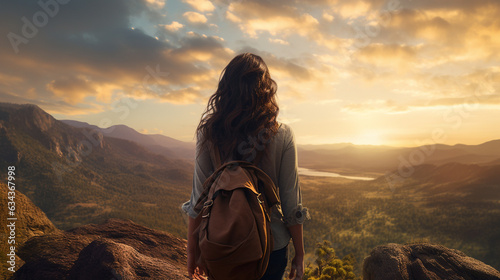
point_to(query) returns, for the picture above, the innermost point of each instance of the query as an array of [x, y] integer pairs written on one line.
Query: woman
[[241, 118]]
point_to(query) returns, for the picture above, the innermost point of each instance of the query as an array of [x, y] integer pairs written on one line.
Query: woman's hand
[[297, 270], [194, 271]]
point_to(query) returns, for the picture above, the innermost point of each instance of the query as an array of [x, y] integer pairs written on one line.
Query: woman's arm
[[191, 262], [291, 203], [297, 270], [202, 170], [194, 271]]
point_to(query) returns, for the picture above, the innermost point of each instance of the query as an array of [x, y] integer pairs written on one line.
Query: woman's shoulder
[[284, 128], [285, 134]]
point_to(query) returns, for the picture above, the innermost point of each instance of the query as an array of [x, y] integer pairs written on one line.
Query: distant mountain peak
[[29, 115], [156, 143], [21, 120]]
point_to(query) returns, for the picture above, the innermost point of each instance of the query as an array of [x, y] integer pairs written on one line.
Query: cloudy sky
[[396, 72]]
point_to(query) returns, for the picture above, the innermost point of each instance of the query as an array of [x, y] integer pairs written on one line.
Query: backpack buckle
[[258, 198], [208, 203]]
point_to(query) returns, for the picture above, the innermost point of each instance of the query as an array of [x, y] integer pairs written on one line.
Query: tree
[[328, 266]]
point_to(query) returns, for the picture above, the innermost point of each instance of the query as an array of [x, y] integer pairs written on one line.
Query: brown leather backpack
[[233, 230]]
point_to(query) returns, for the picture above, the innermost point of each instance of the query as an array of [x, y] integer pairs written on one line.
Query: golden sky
[[395, 72]]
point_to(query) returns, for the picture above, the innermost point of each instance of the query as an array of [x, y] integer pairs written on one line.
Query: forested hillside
[[77, 178], [463, 214]]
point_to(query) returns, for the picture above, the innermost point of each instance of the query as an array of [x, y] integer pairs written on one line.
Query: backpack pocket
[[249, 249], [227, 262]]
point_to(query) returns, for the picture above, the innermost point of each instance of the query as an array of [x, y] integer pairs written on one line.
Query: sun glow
[[368, 138]]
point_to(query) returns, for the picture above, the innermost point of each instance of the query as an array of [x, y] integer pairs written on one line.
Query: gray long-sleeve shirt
[[281, 166]]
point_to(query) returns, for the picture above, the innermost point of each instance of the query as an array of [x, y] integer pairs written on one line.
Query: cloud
[[282, 19], [379, 105], [201, 5], [355, 9], [232, 17], [72, 89], [183, 96], [299, 78], [53, 107], [467, 104], [469, 91], [158, 4], [200, 47], [387, 55], [173, 27], [471, 101], [326, 16], [425, 52], [195, 18], [279, 41], [457, 31], [328, 101], [284, 67], [80, 63], [256, 17]]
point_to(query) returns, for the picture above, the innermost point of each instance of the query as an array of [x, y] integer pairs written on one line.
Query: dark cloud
[[93, 41], [287, 65], [463, 5]]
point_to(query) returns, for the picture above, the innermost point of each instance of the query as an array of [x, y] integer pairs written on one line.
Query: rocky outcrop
[[29, 221], [104, 259], [424, 262], [50, 256], [116, 249]]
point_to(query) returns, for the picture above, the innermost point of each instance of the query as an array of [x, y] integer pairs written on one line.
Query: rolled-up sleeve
[[202, 170], [289, 186]]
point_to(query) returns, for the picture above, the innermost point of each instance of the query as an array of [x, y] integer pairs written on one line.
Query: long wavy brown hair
[[241, 116]]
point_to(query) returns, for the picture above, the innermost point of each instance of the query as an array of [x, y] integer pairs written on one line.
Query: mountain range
[[80, 174], [377, 160], [155, 143], [77, 175], [82, 170]]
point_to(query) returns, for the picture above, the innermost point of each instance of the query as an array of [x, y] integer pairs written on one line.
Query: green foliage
[[356, 217], [115, 182], [329, 266]]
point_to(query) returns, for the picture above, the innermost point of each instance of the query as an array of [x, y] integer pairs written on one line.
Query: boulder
[[30, 221], [117, 249], [424, 261], [104, 259]]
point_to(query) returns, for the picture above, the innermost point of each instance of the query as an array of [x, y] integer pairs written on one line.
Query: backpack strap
[[269, 190], [270, 193], [206, 187]]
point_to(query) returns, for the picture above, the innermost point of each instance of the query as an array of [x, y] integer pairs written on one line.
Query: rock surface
[[105, 259], [30, 221], [424, 261], [117, 249]]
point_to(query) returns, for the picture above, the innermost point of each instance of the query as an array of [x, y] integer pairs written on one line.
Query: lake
[[311, 172]]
